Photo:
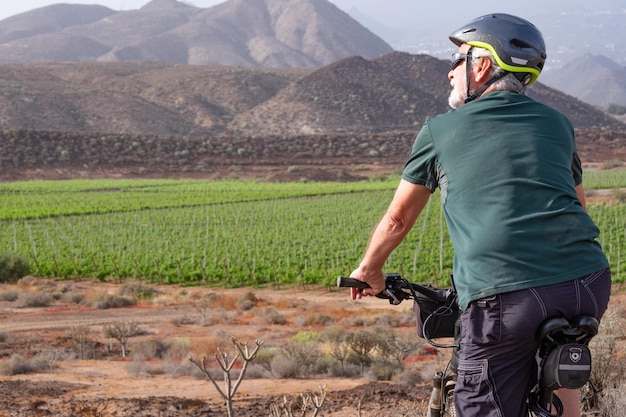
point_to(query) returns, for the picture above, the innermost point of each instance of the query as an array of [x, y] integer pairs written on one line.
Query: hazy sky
[[402, 9], [404, 24], [390, 12]]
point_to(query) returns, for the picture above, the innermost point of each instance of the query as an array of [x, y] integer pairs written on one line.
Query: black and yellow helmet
[[516, 44]]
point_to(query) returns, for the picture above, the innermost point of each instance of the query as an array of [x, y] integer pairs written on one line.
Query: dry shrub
[[387, 320], [106, 301], [272, 316], [220, 316], [316, 319], [9, 295], [36, 299], [150, 349], [247, 301], [17, 365], [285, 367], [137, 290], [183, 320], [603, 394], [383, 369], [179, 349], [73, 297]]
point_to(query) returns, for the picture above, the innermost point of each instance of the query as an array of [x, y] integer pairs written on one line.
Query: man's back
[[507, 169]]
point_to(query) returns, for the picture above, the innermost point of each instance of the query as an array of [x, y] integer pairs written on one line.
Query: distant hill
[[594, 79], [269, 33], [394, 92], [272, 33]]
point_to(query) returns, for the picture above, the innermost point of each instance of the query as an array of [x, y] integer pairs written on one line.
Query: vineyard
[[234, 233]]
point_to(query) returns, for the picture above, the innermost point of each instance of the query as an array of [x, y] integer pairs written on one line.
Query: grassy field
[[233, 233]]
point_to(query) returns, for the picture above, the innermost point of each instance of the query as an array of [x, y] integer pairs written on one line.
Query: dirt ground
[[108, 386], [112, 386]]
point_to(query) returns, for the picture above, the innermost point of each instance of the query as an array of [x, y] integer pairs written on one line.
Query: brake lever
[[388, 294]]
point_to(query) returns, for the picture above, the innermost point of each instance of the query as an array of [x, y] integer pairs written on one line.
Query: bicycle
[[563, 356]]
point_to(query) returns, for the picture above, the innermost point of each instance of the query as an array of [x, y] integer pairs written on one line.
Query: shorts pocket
[[473, 391], [481, 324]]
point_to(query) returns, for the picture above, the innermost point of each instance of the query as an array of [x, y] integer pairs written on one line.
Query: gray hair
[[508, 82]]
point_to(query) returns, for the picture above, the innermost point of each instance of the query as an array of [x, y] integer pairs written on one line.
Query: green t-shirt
[[507, 169]]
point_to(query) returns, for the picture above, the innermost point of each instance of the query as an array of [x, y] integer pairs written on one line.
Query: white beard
[[458, 94]]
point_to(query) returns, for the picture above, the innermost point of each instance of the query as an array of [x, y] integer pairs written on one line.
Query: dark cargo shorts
[[497, 365]]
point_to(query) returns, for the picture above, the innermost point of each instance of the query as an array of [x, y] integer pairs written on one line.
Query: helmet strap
[[468, 73]]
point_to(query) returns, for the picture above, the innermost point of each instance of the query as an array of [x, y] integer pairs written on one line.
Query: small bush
[[150, 349], [36, 299], [13, 267], [17, 365], [183, 321], [107, 301], [272, 316], [318, 319], [607, 372], [73, 297], [285, 367], [247, 302], [4, 337], [137, 290], [178, 349], [384, 370], [9, 295]]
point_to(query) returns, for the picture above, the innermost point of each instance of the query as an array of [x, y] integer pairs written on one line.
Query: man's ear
[[481, 75]]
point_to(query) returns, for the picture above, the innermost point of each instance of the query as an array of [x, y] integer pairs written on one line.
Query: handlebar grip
[[351, 282]]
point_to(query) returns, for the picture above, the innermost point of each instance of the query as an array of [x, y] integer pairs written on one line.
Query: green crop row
[[227, 233], [605, 179], [39, 199]]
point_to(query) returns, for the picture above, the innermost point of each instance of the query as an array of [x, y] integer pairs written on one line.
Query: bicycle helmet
[[516, 44]]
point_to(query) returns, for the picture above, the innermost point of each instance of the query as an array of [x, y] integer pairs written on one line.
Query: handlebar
[[436, 309], [398, 289]]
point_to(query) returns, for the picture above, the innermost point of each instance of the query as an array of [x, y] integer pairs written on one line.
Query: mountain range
[[267, 33], [270, 33], [244, 66], [594, 79], [396, 91]]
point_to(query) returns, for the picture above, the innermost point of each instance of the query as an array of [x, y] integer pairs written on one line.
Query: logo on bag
[[575, 354]]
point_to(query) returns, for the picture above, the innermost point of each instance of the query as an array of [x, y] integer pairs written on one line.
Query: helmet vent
[[518, 43]]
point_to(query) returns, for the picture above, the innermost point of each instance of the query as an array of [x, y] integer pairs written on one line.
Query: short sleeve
[[420, 167]]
